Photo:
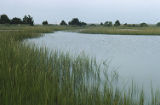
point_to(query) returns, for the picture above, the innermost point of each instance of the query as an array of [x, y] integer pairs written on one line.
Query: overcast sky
[[90, 11]]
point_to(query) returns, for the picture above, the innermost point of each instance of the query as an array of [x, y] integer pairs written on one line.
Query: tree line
[[27, 19], [117, 23], [76, 22], [73, 22]]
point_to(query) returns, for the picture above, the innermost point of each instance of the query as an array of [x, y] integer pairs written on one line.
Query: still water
[[134, 57]]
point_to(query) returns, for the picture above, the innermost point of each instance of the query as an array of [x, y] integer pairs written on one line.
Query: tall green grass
[[33, 76]]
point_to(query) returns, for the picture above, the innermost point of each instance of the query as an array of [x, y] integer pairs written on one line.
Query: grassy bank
[[123, 30], [31, 76]]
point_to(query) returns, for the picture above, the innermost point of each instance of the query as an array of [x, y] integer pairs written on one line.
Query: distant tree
[[93, 25], [75, 21], [4, 19], [108, 23], [83, 24], [45, 22], [133, 25], [143, 25], [63, 23], [158, 24], [28, 20], [101, 24], [25, 20], [117, 23], [125, 24], [16, 20]]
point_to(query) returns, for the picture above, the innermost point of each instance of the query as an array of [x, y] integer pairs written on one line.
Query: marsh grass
[[123, 30], [34, 76]]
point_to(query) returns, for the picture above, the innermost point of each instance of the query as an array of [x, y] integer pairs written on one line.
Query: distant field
[[36, 28], [123, 30]]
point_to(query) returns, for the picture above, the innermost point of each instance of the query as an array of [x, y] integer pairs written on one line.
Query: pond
[[134, 57]]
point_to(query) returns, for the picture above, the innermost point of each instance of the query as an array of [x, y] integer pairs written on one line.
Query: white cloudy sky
[[91, 11]]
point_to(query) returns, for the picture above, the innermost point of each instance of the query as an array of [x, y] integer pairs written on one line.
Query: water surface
[[133, 57]]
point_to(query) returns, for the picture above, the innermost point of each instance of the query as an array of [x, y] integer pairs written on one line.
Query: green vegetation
[[32, 76], [108, 23], [45, 22], [158, 24], [63, 23], [28, 20], [35, 29], [76, 22], [16, 21], [117, 23], [143, 25], [4, 19], [123, 30]]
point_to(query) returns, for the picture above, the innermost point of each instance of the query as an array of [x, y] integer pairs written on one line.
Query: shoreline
[[151, 31]]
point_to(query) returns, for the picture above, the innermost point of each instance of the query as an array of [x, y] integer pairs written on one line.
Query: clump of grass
[[33, 76]]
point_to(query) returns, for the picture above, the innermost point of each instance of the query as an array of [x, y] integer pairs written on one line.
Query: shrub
[[143, 25], [4, 19], [158, 24], [101, 24], [63, 23], [83, 24], [108, 23], [125, 24], [117, 23], [76, 22], [16, 20], [45, 22], [28, 20]]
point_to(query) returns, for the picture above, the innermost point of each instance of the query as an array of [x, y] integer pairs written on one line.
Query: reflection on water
[[134, 57]]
